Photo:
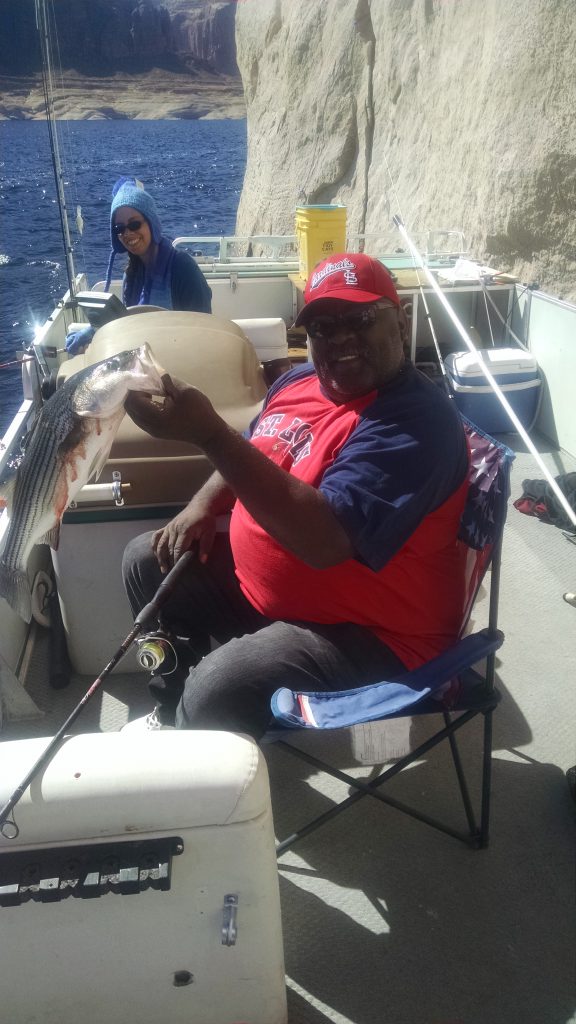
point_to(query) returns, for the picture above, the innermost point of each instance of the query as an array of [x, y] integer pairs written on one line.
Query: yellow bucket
[[321, 231]]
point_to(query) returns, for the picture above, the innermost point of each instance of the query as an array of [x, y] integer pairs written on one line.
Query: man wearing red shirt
[[343, 565]]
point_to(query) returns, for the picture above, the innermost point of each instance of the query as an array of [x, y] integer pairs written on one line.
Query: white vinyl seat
[[268, 336]]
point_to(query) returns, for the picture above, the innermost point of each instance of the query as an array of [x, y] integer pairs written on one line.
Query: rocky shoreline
[[158, 94]]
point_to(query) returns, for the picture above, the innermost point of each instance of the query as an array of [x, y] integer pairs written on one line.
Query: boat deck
[[387, 921]]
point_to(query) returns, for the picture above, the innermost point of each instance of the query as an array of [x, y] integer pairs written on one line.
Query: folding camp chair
[[430, 689]]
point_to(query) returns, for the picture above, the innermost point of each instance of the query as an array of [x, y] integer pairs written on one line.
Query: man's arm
[[294, 513]]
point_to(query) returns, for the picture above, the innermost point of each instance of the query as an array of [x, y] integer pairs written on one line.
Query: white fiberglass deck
[[386, 921]]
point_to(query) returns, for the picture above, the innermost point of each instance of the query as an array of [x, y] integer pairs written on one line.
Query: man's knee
[[230, 689]]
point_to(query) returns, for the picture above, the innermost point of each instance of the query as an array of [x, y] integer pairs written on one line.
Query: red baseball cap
[[352, 276]]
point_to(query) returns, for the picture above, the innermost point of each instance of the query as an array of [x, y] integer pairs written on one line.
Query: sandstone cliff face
[[455, 115], [123, 58], [92, 34], [208, 31]]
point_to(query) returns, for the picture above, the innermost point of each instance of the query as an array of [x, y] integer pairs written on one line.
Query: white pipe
[[495, 387], [111, 491]]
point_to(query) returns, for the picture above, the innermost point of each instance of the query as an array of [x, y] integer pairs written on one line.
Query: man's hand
[[295, 513], [193, 525], [186, 414]]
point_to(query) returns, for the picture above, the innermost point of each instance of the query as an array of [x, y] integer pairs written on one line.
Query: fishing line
[[8, 827], [67, 135], [485, 293], [499, 314], [495, 387], [427, 315], [43, 31]]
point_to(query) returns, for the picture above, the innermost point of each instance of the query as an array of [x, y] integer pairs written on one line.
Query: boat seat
[[144, 309], [269, 337], [78, 325], [267, 334], [209, 352]]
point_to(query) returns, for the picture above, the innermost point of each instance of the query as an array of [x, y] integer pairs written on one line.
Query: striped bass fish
[[66, 447]]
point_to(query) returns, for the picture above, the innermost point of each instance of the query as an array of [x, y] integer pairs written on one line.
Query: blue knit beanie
[[130, 192]]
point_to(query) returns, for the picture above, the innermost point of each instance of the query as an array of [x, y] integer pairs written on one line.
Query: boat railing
[[279, 253], [235, 249]]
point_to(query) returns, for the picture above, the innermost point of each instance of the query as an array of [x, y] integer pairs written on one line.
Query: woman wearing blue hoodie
[[157, 274]]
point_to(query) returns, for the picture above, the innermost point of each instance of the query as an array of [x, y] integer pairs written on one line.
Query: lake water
[[193, 169]]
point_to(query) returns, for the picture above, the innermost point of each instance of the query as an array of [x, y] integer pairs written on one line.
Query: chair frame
[[479, 696]]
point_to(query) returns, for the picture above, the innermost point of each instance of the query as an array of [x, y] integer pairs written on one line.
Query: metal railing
[[439, 245]]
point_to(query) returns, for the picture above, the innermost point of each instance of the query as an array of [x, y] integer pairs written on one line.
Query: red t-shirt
[[393, 467]]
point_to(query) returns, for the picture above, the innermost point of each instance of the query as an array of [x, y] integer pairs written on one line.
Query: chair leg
[[371, 788], [486, 782], [469, 810]]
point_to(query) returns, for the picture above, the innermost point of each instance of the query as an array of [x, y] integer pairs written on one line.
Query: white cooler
[[142, 886], [514, 370]]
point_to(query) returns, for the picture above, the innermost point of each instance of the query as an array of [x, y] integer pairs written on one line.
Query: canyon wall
[[454, 115], [123, 59]]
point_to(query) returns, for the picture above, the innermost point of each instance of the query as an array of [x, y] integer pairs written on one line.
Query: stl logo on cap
[[352, 276], [330, 266]]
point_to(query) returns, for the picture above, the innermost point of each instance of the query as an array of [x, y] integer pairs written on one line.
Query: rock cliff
[[207, 30], [123, 58], [455, 115]]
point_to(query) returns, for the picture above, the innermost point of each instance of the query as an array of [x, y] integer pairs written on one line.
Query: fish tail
[[14, 586]]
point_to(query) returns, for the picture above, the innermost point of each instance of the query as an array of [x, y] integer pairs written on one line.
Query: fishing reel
[[157, 652]]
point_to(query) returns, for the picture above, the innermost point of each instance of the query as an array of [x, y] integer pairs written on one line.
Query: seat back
[[484, 514]]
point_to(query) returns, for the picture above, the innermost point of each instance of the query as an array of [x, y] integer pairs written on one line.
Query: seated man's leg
[[231, 688], [207, 602]]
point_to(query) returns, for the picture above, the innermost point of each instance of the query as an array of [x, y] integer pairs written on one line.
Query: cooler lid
[[500, 361]]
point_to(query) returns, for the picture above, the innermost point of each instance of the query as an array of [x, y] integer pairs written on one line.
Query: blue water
[[193, 169]]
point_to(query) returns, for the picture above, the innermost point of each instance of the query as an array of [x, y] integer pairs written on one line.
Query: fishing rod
[[44, 36], [17, 362], [9, 828]]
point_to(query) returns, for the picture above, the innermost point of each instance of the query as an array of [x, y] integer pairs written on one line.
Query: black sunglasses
[[357, 320], [132, 225]]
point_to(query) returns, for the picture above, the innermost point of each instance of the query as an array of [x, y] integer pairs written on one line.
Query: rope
[[495, 387]]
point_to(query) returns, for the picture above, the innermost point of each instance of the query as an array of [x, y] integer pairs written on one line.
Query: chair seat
[[413, 693]]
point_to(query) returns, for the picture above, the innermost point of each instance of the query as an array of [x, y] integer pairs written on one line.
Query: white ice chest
[[514, 370], [208, 950]]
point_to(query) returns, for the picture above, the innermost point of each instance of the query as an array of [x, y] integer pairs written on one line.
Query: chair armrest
[[342, 708]]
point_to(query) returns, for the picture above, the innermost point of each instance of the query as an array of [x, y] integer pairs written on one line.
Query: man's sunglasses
[[132, 225], [358, 320]]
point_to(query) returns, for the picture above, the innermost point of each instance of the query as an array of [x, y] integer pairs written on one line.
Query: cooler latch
[[229, 912]]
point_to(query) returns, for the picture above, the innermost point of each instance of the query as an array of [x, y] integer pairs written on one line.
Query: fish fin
[[15, 588], [99, 463], [51, 537], [101, 457]]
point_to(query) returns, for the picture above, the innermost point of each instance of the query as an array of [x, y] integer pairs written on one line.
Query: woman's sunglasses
[[132, 225], [358, 320]]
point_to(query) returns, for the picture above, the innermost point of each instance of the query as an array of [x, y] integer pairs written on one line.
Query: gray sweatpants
[[230, 687]]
